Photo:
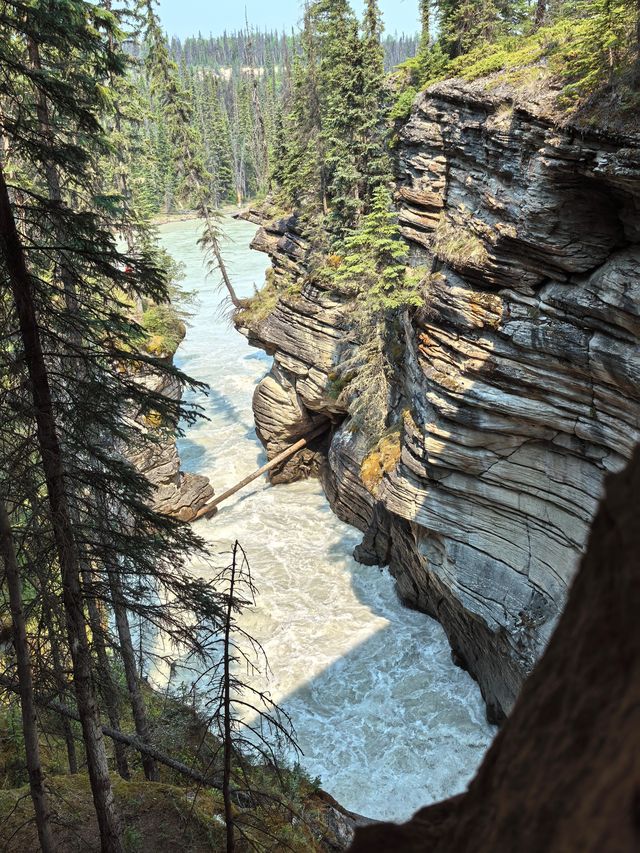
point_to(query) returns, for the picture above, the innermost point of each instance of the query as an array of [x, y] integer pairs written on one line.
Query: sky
[[187, 17]]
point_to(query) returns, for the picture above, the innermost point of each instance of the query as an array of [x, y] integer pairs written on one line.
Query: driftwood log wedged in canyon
[[519, 380], [564, 772]]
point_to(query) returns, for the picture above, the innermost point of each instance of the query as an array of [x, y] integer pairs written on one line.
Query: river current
[[382, 715]]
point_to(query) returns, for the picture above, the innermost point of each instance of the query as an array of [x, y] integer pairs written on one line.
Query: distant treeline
[[237, 84], [268, 48]]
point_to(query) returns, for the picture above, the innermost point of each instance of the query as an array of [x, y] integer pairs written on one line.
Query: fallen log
[[211, 505]]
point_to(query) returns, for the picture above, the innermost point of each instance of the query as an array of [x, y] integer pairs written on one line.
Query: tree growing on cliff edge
[[374, 261], [335, 151], [425, 25]]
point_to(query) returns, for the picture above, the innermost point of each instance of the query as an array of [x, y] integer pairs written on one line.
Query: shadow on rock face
[[564, 772]]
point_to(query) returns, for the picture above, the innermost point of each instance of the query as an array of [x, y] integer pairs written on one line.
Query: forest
[[106, 123]]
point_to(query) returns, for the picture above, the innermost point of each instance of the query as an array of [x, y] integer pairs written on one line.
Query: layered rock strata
[[175, 492], [519, 379], [563, 775]]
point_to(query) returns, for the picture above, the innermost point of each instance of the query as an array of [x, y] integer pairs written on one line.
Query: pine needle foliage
[[374, 264]]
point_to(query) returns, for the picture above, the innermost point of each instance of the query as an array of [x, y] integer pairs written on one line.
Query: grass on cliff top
[[164, 330], [579, 67], [256, 309]]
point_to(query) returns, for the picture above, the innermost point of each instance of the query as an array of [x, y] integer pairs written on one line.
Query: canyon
[[516, 385]]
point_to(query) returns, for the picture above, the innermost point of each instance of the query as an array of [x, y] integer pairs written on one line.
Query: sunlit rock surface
[[563, 774], [521, 374]]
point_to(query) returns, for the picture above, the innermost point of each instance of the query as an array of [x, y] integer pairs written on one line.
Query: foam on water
[[381, 713]]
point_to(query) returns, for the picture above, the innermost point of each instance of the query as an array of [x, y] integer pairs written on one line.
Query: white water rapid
[[381, 713]]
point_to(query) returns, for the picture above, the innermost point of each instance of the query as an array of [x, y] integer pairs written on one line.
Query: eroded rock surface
[[519, 379], [564, 772], [175, 492]]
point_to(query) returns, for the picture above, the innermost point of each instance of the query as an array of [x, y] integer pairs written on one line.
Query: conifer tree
[[75, 355], [425, 25], [375, 164], [340, 87], [374, 259], [195, 181]]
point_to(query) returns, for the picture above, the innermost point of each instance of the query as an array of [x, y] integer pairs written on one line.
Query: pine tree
[[374, 259], [425, 25]]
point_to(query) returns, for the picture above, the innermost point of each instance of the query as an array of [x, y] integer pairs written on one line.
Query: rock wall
[[175, 492], [563, 774], [519, 379]]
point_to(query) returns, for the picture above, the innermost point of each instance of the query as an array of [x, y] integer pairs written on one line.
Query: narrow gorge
[[388, 254], [517, 384]]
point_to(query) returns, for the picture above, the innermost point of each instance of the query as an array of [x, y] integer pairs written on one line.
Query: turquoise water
[[381, 713]]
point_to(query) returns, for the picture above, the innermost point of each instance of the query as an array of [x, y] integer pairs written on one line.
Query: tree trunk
[[136, 698], [22, 292], [53, 178], [636, 75], [61, 687], [228, 742], [211, 505], [25, 682], [127, 740], [541, 11], [108, 690], [67, 277]]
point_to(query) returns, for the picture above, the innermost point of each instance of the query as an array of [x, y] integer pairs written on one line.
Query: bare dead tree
[[252, 729]]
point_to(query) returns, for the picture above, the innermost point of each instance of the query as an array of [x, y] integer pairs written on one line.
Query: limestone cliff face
[[175, 492], [519, 379]]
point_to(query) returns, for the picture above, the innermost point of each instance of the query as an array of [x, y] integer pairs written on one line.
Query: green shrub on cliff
[[374, 264], [591, 48], [165, 330]]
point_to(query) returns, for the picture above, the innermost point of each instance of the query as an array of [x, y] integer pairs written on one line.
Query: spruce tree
[[373, 265], [375, 163], [68, 294]]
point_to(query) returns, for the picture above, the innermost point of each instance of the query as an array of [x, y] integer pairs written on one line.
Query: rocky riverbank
[[175, 492], [518, 381]]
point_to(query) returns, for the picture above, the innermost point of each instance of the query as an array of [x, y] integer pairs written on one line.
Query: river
[[382, 715]]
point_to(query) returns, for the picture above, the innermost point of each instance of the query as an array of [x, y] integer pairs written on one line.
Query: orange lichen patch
[[153, 420], [382, 460]]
